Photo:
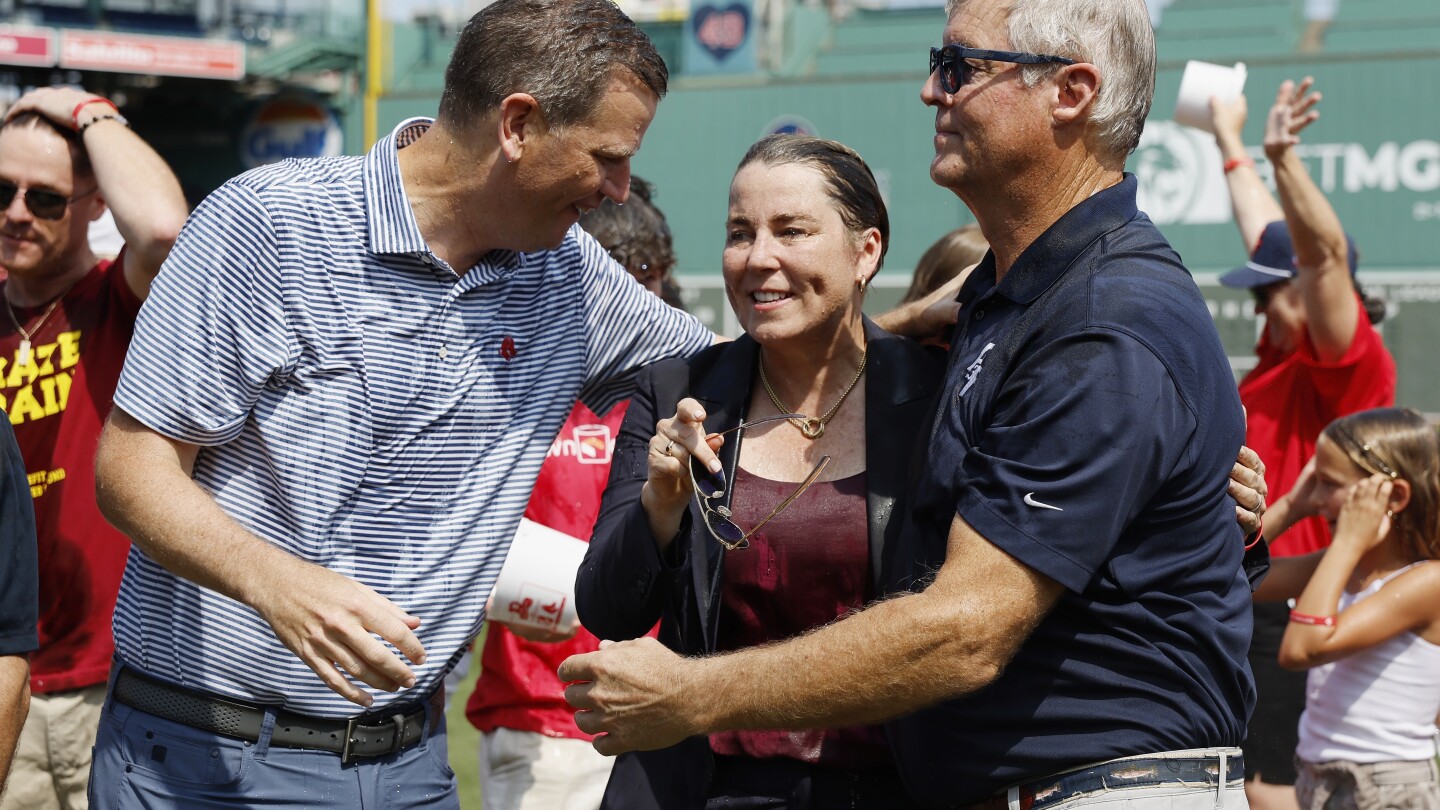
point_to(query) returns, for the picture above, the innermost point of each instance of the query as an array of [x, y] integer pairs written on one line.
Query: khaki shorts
[[52, 758], [1368, 786]]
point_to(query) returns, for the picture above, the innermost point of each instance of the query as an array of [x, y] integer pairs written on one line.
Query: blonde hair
[[943, 260]]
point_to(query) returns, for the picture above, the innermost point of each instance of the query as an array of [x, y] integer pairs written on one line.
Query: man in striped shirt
[[336, 402]]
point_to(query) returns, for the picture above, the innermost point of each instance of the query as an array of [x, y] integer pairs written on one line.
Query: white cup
[[1201, 81], [536, 586]]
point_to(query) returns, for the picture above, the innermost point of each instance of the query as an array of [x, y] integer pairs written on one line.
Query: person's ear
[[1076, 88], [868, 249], [97, 206], [1399, 495], [519, 122]]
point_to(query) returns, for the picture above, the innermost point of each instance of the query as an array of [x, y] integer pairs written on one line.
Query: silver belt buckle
[[349, 739]]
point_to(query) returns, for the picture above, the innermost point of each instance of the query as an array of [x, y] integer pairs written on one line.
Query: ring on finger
[[669, 448]]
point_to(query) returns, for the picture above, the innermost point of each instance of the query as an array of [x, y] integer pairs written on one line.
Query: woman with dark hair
[[791, 534]]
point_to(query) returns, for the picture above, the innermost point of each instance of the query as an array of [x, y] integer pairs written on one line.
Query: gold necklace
[[22, 357], [813, 427]]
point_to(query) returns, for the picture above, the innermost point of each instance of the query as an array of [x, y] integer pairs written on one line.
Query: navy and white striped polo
[[361, 406]]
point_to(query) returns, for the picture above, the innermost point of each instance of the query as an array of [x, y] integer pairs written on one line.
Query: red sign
[[30, 46], [164, 56]]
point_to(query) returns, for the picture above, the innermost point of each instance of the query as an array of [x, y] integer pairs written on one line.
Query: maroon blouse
[[806, 567]]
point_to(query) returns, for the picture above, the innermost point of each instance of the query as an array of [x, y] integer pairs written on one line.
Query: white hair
[[1114, 36]]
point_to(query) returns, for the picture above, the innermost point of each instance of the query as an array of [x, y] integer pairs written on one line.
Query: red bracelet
[[1234, 163], [1258, 535], [1305, 618], [75, 113]]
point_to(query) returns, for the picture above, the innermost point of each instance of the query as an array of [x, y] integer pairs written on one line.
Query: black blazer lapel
[[901, 377], [724, 390]]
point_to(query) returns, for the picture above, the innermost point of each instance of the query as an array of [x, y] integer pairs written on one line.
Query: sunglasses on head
[[710, 486], [43, 204], [955, 71]]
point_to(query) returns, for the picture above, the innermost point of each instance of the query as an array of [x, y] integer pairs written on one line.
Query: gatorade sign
[[290, 127]]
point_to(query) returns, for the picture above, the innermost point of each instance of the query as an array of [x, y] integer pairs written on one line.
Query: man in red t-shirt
[[66, 156], [532, 757], [1319, 359]]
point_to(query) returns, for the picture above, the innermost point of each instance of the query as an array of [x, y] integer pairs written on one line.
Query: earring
[[861, 284]]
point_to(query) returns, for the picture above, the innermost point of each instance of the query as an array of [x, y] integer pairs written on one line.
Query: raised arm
[[1321, 250], [144, 488], [1251, 201], [135, 182], [958, 634]]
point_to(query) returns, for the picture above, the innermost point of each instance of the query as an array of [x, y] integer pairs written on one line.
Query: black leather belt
[[1120, 773], [364, 736]]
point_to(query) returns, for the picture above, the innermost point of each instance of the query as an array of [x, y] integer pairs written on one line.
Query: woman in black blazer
[[794, 532], [807, 229]]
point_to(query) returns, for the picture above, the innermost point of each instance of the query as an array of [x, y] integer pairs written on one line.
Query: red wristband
[[75, 113], [1258, 535], [1234, 163], [1305, 618]]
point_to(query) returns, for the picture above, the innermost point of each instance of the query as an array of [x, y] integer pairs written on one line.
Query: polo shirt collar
[[391, 223], [1049, 256], [390, 220]]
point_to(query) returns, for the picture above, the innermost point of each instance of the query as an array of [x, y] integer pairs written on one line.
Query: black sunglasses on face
[[955, 71], [43, 204], [709, 486]]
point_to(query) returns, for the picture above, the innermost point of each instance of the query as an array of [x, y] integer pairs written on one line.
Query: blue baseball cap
[[1273, 260]]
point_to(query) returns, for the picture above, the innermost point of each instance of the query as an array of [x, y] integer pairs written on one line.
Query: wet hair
[[1399, 443], [80, 159], [636, 235], [562, 52], [848, 180], [944, 260]]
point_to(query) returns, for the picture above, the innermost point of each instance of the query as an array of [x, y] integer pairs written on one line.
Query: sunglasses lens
[[954, 71], [7, 194], [727, 532], [707, 484], [45, 204]]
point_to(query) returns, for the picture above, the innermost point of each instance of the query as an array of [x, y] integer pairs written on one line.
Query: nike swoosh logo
[[1030, 501]]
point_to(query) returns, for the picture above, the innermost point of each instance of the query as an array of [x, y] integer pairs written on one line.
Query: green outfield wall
[[1375, 151]]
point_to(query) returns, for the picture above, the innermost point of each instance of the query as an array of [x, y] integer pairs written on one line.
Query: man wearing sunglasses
[[1071, 614], [66, 158]]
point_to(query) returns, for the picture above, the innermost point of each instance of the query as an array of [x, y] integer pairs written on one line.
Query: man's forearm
[[149, 495], [889, 660], [14, 706]]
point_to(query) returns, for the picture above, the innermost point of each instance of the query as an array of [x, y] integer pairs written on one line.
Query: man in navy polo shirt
[[1086, 623]]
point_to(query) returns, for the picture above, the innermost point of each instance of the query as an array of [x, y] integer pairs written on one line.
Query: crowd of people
[[1004, 546]]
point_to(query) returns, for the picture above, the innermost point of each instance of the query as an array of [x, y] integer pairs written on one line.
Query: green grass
[[464, 740]]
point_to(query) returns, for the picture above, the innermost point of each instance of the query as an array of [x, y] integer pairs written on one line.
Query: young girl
[[1367, 620]]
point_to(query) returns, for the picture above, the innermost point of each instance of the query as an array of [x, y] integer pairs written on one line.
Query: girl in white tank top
[[1367, 620]]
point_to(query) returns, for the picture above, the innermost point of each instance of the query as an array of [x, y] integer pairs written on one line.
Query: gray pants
[[144, 762]]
